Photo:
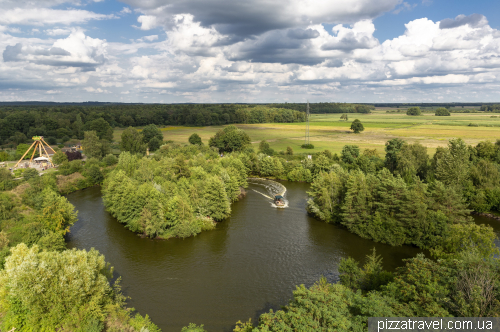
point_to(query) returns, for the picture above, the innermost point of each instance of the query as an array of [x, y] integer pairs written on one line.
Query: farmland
[[328, 132]]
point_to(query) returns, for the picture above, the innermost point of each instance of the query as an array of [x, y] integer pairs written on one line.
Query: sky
[[250, 51]]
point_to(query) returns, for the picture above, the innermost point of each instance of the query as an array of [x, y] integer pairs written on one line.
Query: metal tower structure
[[307, 124]]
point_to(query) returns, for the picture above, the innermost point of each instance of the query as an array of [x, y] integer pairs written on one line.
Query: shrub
[[413, 111], [110, 160], [195, 139], [442, 112], [30, 173], [307, 146]]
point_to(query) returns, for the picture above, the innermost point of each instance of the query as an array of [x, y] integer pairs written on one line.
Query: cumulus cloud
[[473, 20], [77, 50], [254, 17], [47, 16], [359, 37]]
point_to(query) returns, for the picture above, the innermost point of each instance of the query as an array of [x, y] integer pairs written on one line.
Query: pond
[[249, 264]]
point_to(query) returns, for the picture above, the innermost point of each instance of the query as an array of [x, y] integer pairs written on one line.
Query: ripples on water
[[273, 188]]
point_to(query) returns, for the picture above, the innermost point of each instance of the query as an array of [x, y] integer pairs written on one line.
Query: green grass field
[[328, 132]]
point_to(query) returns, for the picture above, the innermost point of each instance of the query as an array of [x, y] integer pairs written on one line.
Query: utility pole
[[307, 124]]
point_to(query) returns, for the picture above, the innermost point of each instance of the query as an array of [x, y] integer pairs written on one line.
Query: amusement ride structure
[[38, 144]]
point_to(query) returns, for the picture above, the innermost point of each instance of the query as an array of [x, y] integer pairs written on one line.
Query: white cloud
[[125, 10], [46, 16], [148, 22], [57, 32]]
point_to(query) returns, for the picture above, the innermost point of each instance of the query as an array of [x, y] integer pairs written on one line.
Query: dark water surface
[[249, 264]]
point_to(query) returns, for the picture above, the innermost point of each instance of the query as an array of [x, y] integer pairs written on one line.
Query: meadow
[[327, 131]]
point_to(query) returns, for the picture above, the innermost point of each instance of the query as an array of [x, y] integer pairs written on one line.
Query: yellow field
[[328, 132]]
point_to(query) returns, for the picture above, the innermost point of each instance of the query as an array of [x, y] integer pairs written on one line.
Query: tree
[[92, 147], [289, 151], [349, 153], [59, 157], [132, 141], [217, 200], [21, 149], [154, 144], [152, 131], [357, 126], [101, 127], [453, 166], [442, 112], [45, 290], [392, 148], [195, 139], [265, 148], [30, 173], [230, 139], [414, 111]]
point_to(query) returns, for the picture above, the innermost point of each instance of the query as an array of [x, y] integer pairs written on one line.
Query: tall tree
[[132, 141], [101, 127]]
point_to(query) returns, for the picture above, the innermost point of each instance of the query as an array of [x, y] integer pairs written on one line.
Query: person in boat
[[278, 200]]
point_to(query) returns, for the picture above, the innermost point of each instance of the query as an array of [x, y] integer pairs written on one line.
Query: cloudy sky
[[250, 50]]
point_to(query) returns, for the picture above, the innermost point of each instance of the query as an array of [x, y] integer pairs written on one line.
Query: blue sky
[[250, 51]]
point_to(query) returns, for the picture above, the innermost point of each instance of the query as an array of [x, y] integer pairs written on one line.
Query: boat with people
[[279, 201]]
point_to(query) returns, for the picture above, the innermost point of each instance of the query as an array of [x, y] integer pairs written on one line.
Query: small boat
[[279, 201]]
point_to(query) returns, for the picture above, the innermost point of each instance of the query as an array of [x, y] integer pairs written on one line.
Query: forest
[[19, 123], [404, 198]]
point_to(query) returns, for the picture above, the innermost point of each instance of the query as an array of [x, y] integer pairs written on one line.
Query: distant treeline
[[491, 108], [19, 123], [315, 108]]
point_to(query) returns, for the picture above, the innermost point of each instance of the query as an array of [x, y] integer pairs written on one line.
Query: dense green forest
[[19, 123]]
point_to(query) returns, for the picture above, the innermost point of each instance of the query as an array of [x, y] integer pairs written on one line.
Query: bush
[[413, 111], [442, 112], [110, 160], [307, 146], [195, 139], [289, 151], [30, 173]]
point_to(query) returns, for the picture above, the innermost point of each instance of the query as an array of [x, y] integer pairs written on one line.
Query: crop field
[[328, 132]]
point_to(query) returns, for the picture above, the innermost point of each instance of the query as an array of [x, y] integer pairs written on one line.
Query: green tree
[[392, 148], [265, 148], [442, 112], [357, 126], [349, 153], [289, 151], [21, 149], [101, 127], [195, 139], [217, 200], [154, 144], [44, 291], [59, 157], [152, 131], [30, 173], [414, 111], [230, 139], [453, 166], [132, 141], [92, 146]]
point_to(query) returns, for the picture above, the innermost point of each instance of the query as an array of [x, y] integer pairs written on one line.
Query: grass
[[328, 132]]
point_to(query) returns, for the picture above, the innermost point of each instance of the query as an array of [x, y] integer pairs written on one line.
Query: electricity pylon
[[307, 124]]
